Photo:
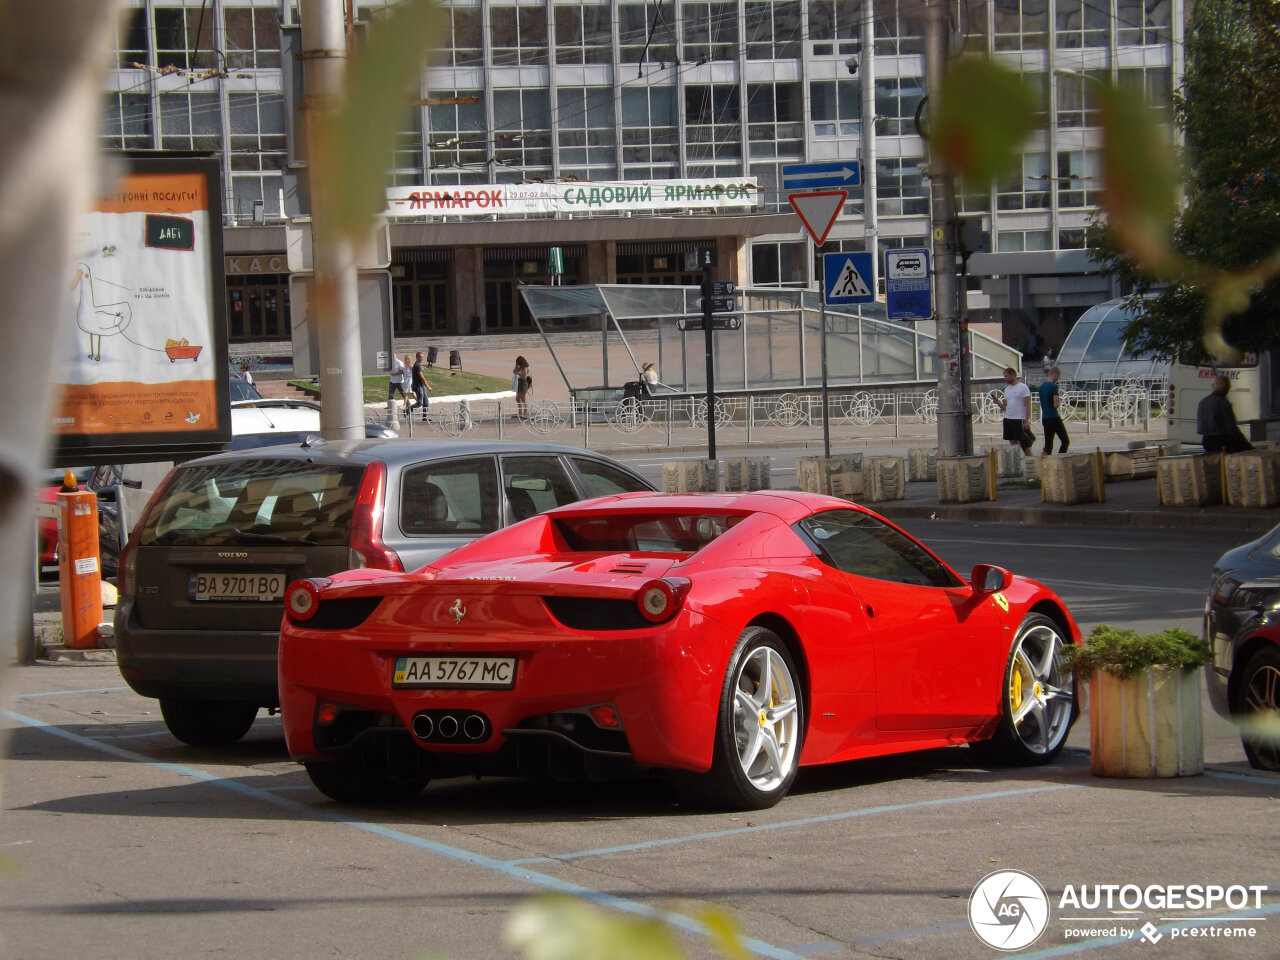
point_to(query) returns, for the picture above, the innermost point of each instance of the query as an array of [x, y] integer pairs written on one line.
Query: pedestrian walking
[[245, 375], [399, 379], [1016, 404], [1050, 418], [1047, 362], [1216, 421], [522, 383], [420, 386]]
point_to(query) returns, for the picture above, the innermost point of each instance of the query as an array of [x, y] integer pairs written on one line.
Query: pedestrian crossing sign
[[847, 278]]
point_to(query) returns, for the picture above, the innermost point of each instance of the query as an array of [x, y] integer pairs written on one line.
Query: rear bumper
[[196, 664]]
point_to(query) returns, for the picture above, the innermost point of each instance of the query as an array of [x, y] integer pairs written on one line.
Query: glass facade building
[[619, 90]]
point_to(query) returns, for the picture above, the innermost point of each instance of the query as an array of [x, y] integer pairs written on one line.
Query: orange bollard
[[79, 569]]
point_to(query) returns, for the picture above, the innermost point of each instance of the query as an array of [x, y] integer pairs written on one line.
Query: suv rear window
[[254, 501]]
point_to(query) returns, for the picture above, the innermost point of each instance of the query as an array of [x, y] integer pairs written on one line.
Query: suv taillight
[[366, 547]]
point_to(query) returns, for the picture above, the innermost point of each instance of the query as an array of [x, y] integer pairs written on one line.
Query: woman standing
[[523, 383]]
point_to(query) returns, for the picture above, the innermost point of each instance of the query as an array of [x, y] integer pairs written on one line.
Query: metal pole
[[951, 427], [870, 215], [708, 289], [336, 305], [826, 413]]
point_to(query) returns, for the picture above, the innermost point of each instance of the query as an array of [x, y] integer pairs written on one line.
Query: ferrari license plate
[[493, 672], [263, 587]]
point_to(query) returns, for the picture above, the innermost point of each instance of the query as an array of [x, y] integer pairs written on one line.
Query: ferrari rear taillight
[[302, 599], [659, 600], [367, 548]]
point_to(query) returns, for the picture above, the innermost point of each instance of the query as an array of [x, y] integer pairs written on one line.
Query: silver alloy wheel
[[1261, 701], [766, 719], [1041, 689]]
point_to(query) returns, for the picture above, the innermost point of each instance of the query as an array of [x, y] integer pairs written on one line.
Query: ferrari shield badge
[[1001, 601]]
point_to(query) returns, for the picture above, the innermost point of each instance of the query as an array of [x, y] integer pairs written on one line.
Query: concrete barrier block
[[1191, 480], [1075, 478], [966, 479], [884, 478], [922, 463], [1252, 478], [1009, 459], [690, 476], [1132, 464], [746, 473], [813, 474]]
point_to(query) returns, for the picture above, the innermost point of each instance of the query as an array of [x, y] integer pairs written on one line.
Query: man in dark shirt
[[1050, 418], [1216, 421]]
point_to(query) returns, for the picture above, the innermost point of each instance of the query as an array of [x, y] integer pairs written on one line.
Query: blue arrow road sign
[[834, 173], [846, 278]]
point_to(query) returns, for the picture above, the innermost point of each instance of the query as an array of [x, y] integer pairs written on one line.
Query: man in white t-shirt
[[1016, 404]]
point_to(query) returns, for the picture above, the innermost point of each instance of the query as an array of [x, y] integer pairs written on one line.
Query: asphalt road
[[119, 842]]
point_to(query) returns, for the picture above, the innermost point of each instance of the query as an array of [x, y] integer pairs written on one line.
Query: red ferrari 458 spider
[[726, 639]]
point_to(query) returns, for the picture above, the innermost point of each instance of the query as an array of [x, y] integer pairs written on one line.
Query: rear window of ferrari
[[254, 501], [644, 533]]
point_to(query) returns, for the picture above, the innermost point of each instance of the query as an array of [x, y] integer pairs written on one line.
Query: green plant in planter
[[1127, 653]]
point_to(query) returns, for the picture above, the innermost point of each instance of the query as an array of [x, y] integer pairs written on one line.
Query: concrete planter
[[1149, 725]]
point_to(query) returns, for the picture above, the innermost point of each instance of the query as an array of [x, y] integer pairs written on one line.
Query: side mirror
[[990, 579]]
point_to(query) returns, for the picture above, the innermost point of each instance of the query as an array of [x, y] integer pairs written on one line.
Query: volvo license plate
[[264, 587]]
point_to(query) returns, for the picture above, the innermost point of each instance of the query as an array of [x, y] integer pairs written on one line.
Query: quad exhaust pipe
[[448, 726]]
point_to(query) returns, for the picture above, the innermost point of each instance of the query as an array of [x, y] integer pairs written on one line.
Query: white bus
[[1255, 382]]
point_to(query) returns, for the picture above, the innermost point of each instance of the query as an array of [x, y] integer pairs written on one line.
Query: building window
[[645, 33], [1022, 24], [773, 30], [585, 133], [184, 37], [1026, 188], [835, 27], [1154, 84], [521, 134], [1081, 23], [970, 199], [518, 35], [900, 187], [467, 31], [1079, 96], [457, 147], [712, 123], [899, 27], [131, 39], [896, 101], [835, 107], [779, 264], [1077, 239], [775, 120], [974, 18], [710, 31], [1143, 22], [126, 122], [650, 141], [1016, 241], [1078, 182], [190, 121], [583, 33], [252, 38]]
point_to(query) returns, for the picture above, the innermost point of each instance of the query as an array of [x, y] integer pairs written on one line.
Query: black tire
[[1034, 722], [758, 734], [1258, 696], [364, 777], [208, 723]]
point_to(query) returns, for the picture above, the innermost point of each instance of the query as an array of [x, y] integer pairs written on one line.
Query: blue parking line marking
[[63, 693], [543, 881], [787, 824]]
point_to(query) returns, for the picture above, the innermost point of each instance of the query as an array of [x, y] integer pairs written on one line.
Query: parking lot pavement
[[123, 843]]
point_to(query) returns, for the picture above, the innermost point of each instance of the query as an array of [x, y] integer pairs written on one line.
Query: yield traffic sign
[[818, 211], [809, 176]]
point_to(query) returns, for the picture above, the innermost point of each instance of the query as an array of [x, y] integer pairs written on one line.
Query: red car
[[726, 639]]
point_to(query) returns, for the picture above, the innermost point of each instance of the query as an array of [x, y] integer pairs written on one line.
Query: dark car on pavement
[[1242, 627], [203, 576]]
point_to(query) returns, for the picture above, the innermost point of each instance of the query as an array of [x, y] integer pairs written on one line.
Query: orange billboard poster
[[145, 358]]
